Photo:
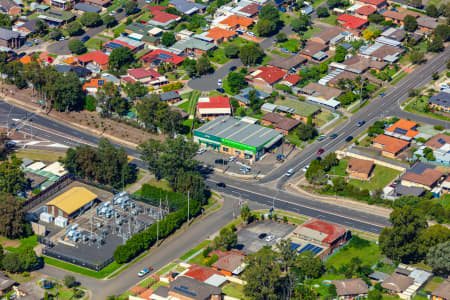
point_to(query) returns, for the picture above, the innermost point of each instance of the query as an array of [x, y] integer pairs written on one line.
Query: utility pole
[[157, 223], [188, 209]]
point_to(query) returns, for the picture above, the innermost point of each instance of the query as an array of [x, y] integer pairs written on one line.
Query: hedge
[[142, 241], [152, 194]]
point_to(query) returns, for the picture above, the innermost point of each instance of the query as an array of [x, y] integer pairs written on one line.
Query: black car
[[221, 184], [120, 10], [221, 161], [85, 38], [360, 123], [220, 90], [318, 158], [262, 235], [233, 68], [349, 138], [333, 136]]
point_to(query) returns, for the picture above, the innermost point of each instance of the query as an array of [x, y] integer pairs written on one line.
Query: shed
[[71, 202]]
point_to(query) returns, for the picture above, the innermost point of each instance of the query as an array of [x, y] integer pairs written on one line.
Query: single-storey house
[[84, 7], [442, 292], [427, 179], [98, 58], [158, 56], [193, 46], [243, 96], [397, 283], [440, 101], [170, 97], [187, 7], [234, 22], [287, 63], [312, 48], [326, 36], [10, 39], [378, 4], [220, 35], [352, 23], [266, 77], [354, 288], [213, 107], [390, 146], [6, 284], [320, 91], [10, 7], [402, 129], [280, 123], [360, 168]]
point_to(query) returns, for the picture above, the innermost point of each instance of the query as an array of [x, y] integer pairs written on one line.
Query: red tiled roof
[[405, 125], [428, 177], [97, 56], [215, 102], [143, 73], [366, 10], [390, 144], [271, 74], [251, 9], [229, 263], [217, 33], [332, 231], [161, 16], [156, 8], [200, 273], [124, 44], [166, 56], [373, 2], [128, 79], [352, 22], [293, 78]]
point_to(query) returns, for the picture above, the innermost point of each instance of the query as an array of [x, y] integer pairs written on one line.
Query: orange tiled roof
[[94, 83], [70, 60], [26, 59], [217, 33], [390, 144], [406, 125], [234, 20]]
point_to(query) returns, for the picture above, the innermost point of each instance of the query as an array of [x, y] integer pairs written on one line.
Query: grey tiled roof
[[6, 34]]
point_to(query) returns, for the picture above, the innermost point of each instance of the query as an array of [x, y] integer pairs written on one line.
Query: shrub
[[212, 260], [438, 127], [90, 103], [207, 251]]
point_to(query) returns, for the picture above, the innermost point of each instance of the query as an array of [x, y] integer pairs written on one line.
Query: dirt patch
[[84, 120], [9, 243]]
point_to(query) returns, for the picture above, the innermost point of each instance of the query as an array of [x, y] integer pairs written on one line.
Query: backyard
[[382, 176], [301, 108], [420, 106]]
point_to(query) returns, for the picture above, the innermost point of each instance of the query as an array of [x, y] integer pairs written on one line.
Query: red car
[[320, 151]]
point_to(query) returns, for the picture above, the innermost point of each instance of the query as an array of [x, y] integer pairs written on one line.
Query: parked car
[[201, 150], [232, 158], [360, 123], [219, 82], [305, 168], [144, 272], [233, 68], [289, 173], [85, 38], [349, 138], [382, 95], [250, 33], [320, 151], [321, 137], [270, 238], [220, 90], [262, 235], [120, 10], [221, 184], [148, 1], [112, 13], [333, 136], [221, 161]]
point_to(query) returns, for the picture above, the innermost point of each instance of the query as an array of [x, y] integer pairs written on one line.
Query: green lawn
[[293, 139], [237, 41], [279, 53], [311, 31], [387, 268], [322, 289], [166, 269], [420, 106], [266, 59], [190, 105], [399, 77], [382, 177], [317, 3], [332, 20], [322, 118], [94, 44], [301, 108], [195, 249], [368, 252], [119, 29], [80, 270], [292, 45], [234, 290], [219, 56], [339, 169], [25, 242], [433, 284]]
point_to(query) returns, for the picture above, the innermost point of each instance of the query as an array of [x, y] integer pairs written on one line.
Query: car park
[[221, 184], [290, 172], [320, 151], [349, 138], [321, 137], [360, 123], [333, 136]]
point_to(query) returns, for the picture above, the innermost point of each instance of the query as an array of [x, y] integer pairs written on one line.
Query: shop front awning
[[272, 142]]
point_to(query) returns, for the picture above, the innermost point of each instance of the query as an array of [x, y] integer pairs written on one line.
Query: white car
[[270, 238], [250, 33], [305, 168], [113, 13], [232, 158], [219, 82], [201, 151], [290, 172]]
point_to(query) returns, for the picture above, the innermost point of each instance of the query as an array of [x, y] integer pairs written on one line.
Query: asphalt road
[[209, 82]]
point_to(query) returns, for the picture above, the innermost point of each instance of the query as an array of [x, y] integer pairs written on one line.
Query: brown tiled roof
[[286, 63], [399, 15], [281, 122], [229, 263], [352, 76], [312, 48], [323, 91], [386, 50], [438, 141], [397, 282], [428, 22], [326, 35], [390, 144], [360, 165], [360, 63], [443, 290], [354, 286], [428, 177]]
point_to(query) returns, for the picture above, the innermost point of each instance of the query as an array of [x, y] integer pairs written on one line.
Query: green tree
[[226, 240], [41, 27], [322, 12], [329, 161], [74, 28], [335, 3], [287, 254], [340, 54], [67, 93], [130, 7], [55, 34], [436, 44], [232, 51], [245, 213], [5, 21], [150, 153], [69, 281], [410, 23], [375, 295], [262, 275], [12, 178], [265, 27], [135, 90], [401, 242], [90, 103], [251, 54], [432, 11], [376, 18], [203, 66], [11, 262], [269, 12], [443, 31], [168, 38], [306, 132], [76, 46], [121, 58], [29, 261], [416, 3], [310, 264], [301, 23], [109, 21], [91, 19], [236, 81], [432, 236], [281, 37], [428, 154], [438, 258], [417, 57]]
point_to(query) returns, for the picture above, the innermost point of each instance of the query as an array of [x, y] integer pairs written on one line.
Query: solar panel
[[310, 247], [400, 131], [441, 141], [294, 246], [101, 82], [164, 56]]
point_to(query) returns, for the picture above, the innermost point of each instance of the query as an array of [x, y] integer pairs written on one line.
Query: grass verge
[[42, 155], [80, 270], [194, 250]]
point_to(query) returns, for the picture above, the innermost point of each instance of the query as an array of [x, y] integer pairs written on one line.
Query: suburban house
[[440, 101], [98, 3], [291, 80], [123, 41], [266, 77], [98, 58], [280, 123], [287, 63], [352, 23], [170, 97], [229, 263], [390, 146], [10, 39], [394, 34], [354, 288], [148, 77], [57, 18], [317, 90], [442, 292], [234, 22], [193, 46], [187, 288], [397, 17], [352, 76], [161, 18], [314, 50], [243, 96], [145, 33], [158, 56], [213, 107], [378, 4], [187, 7], [426, 178], [326, 36], [250, 10], [358, 64], [381, 51], [365, 11], [359, 168], [92, 86], [10, 7], [402, 129], [27, 27], [397, 283], [6, 284], [427, 24], [83, 8], [220, 35]]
